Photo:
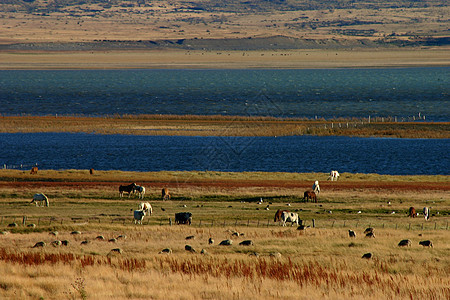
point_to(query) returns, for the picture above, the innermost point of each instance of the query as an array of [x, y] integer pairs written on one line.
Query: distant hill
[[222, 25]]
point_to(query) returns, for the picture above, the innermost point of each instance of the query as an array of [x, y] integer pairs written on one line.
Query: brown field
[[316, 263], [224, 126]]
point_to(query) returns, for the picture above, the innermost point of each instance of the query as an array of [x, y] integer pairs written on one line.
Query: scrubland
[[320, 262]]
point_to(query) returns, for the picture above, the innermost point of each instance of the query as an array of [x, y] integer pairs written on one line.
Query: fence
[[8, 221]]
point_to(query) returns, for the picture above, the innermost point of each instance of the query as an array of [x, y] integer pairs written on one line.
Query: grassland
[[224, 126], [316, 263]]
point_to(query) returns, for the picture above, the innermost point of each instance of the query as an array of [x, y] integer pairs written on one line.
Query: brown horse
[[165, 194], [278, 215], [412, 212], [309, 195], [34, 170]]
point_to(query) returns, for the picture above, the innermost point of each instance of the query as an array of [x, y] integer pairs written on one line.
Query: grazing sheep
[[191, 237], [39, 244], [166, 251], [189, 248], [75, 232], [85, 242], [370, 235], [404, 243], [56, 243], [31, 225], [426, 243], [351, 233], [100, 238], [65, 243], [226, 243], [246, 243], [113, 240], [368, 230], [116, 250], [367, 255], [210, 241]]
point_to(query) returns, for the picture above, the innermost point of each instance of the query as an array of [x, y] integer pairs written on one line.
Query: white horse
[[140, 190], [146, 207], [426, 213], [334, 176], [316, 187], [40, 198], [289, 217]]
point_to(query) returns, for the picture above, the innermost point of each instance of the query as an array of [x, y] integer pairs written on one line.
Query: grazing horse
[[278, 214], [334, 175], [289, 217], [91, 171], [412, 212], [165, 194], [40, 198], [146, 207], [426, 213], [140, 190], [316, 187], [127, 189], [310, 195], [34, 170]]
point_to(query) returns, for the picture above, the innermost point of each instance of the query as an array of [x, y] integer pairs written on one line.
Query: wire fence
[[25, 221]]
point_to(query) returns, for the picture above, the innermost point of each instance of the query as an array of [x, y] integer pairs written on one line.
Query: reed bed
[[223, 126]]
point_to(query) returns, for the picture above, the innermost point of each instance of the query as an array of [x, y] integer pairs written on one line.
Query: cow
[[139, 216], [334, 175], [289, 217], [309, 195], [34, 170], [412, 212], [404, 243], [165, 194], [426, 243], [126, 189], [140, 190], [351, 233], [316, 187], [183, 218], [40, 198], [278, 214], [426, 213], [145, 206]]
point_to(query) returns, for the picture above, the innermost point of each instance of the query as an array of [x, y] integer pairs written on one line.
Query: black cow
[[183, 218]]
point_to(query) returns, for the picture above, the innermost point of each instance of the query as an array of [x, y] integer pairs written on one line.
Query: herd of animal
[[281, 216]]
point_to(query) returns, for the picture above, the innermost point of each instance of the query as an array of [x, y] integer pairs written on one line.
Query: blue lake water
[[283, 154], [327, 93]]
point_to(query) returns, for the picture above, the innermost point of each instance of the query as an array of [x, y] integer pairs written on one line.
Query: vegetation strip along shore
[[172, 125]]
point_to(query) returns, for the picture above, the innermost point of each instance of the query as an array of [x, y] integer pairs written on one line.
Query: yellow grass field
[[318, 262]]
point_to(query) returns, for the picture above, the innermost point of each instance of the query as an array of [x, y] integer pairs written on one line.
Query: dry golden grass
[[316, 263], [221, 126]]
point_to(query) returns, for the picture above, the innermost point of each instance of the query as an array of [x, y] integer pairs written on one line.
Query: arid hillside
[[219, 25]]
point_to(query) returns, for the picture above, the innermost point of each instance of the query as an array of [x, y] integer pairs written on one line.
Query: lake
[[272, 154], [325, 93]]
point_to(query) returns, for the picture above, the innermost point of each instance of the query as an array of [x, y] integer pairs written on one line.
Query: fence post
[[200, 224], [258, 224], [314, 223], [409, 226], [344, 224], [435, 225], [24, 220], [332, 225]]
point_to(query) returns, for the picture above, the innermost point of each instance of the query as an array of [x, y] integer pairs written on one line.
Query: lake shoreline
[[228, 59], [183, 125]]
